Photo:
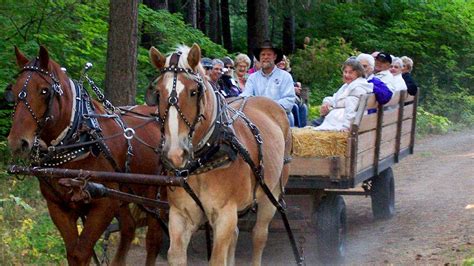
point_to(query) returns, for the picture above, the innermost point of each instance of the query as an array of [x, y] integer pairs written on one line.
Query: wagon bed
[[377, 140]]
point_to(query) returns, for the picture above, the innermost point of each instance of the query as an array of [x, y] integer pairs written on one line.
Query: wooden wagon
[[377, 139]]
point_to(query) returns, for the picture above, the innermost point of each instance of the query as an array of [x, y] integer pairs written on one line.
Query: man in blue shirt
[[270, 81]]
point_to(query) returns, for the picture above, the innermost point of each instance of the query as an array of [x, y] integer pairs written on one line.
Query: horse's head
[[37, 96], [181, 94]]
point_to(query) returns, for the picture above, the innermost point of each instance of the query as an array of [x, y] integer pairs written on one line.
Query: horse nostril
[[25, 145]]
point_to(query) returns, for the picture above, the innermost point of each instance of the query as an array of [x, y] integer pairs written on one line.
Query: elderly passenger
[[383, 62], [396, 70], [340, 109], [242, 64], [381, 90], [406, 75]]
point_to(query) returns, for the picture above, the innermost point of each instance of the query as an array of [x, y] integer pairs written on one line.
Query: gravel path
[[433, 223]]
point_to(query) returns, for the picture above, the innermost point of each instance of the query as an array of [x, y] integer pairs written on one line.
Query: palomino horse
[[52, 111], [219, 147]]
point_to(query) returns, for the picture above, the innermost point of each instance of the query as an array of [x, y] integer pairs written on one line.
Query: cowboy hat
[[268, 45]]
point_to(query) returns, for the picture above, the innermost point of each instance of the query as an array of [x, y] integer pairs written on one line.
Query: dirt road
[[433, 223]]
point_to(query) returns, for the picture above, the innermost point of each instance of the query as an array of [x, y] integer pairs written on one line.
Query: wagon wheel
[[382, 193], [331, 227]]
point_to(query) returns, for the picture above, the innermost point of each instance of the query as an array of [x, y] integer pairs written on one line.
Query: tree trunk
[[174, 6], [213, 27], [202, 16], [226, 33], [191, 13], [257, 23], [121, 69], [156, 4], [289, 34], [219, 24]]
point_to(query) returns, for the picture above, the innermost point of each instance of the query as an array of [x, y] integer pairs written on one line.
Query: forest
[[316, 35]]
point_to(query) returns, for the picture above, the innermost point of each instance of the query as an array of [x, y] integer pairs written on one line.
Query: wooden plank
[[369, 122], [408, 111], [315, 166], [409, 98], [387, 149], [394, 100], [371, 102], [365, 159], [389, 132], [390, 116], [361, 110], [406, 126], [405, 141], [366, 141]]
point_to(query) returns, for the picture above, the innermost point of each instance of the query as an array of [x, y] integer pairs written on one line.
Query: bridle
[[173, 101], [53, 90]]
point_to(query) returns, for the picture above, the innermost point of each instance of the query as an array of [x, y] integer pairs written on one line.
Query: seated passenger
[[381, 90], [340, 109], [406, 74], [396, 70], [383, 62]]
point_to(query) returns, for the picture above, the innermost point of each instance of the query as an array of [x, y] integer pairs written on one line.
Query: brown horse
[[50, 111], [193, 115]]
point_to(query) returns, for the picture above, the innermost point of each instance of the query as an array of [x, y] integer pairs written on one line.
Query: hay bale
[[308, 142]]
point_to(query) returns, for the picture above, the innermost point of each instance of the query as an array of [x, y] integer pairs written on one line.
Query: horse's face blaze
[[177, 146]]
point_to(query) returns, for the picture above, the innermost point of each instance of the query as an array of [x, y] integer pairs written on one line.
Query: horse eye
[[193, 92], [44, 91]]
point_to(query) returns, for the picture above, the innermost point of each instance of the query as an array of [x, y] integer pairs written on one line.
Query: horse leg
[[154, 238], [127, 233], [98, 218], [181, 230], [233, 246], [224, 226], [265, 213], [66, 222]]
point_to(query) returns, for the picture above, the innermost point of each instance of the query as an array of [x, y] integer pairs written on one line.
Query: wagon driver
[[270, 81]]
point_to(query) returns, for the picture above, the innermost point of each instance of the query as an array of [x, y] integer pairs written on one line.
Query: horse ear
[[21, 59], [43, 57], [156, 58], [194, 56]]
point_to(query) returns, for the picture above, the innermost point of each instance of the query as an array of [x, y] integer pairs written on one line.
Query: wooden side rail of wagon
[[380, 136]]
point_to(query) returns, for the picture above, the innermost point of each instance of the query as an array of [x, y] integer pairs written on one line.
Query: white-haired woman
[[406, 74], [382, 93], [242, 64], [396, 70], [339, 110]]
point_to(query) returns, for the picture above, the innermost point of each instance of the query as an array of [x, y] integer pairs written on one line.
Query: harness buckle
[[128, 133], [182, 173], [173, 100], [22, 95]]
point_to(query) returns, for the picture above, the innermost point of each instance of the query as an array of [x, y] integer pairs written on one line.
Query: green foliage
[[428, 123], [5, 122], [438, 35], [313, 112], [319, 66]]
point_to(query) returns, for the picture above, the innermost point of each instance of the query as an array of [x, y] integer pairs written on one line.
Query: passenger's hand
[[324, 110]]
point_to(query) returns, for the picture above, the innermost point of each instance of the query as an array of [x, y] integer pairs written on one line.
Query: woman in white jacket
[[396, 70], [339, 110]]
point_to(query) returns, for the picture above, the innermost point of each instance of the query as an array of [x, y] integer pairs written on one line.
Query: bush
[[428, 123], [318, 66]]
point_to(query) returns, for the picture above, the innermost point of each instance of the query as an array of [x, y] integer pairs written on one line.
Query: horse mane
[[183, 63]]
